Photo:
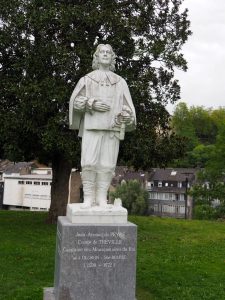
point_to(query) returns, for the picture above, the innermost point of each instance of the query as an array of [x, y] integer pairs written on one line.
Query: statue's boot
[[103, 182], [88, 181]]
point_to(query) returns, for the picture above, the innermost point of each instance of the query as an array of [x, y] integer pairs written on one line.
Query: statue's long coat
[[85, 87]]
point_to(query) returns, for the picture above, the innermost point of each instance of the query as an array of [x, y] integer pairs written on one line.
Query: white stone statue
[[101, 109]]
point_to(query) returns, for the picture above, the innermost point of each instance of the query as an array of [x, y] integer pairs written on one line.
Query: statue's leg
[[106, 166], [103, 182], [88, 180], [89, 160]]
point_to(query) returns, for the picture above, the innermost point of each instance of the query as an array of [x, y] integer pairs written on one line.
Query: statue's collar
[[97, 76]]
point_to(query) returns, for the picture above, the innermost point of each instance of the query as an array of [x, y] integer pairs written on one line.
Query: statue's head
[[104, 55]]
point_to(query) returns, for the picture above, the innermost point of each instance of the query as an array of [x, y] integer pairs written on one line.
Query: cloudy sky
[[204, 82]]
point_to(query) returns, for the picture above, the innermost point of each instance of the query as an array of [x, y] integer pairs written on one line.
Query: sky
[[204, 82]]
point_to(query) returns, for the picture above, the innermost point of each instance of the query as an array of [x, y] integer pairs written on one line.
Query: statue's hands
[[126, 118], [98, 105]]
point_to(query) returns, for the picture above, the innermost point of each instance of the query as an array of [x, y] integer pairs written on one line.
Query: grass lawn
[[177, 259]]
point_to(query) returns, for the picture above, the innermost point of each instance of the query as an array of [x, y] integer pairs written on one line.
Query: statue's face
[[104, 56]]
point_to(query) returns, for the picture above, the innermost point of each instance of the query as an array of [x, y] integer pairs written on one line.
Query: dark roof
[[4, 164], [17, 167], [173, 174], [125, 173], [120, 170], [134, 175]]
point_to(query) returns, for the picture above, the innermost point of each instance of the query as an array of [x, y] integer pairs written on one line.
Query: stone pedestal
[[94, 262], [96, 215]]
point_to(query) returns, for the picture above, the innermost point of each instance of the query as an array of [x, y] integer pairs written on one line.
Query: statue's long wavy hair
[[95, 62]]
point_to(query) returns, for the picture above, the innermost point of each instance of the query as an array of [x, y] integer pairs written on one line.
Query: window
[[20, 182], [36, 182], [171, 196], [160, 184], [28, 182], [44, 183], [182, 209], [179, 184], [156, 208], [152, 195], [166, 183], [181, 197]]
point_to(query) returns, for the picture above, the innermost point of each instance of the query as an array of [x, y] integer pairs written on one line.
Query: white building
[[28, 191]]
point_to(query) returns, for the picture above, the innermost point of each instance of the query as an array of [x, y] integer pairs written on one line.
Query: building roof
[[29, 176], [125, 173], [4, 164], [18, 167], [173, 174]]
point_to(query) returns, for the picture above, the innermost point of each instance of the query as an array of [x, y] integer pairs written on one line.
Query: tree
[[182, 124], [218, 116], [133, 196], [200, 126], [205, 127], [215, 167], [195, 123], [211, 180], [46, 47], [200, 155]]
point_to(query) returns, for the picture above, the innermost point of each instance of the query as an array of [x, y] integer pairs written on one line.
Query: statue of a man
[[101, 109]]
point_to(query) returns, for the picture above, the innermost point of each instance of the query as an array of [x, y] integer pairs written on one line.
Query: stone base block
[[49, 294], [96, 215], [95, 262]]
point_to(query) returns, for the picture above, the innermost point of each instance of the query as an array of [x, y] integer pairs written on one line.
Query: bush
[[204, 212], [220, 212], [133, 196]]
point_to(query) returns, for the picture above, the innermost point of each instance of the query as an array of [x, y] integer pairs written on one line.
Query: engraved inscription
[[99, 250]]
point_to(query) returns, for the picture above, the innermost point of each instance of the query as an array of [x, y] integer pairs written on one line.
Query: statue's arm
[[128, 108], [80, 102]]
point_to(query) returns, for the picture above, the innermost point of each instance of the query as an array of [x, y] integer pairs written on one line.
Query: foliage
[[220, 212], [207, 154], [214, 171], [133, 196], [200, 155], [175, 258], [181, 123], [206, 191], [216, 165], [203, 129], [209, 212], [204, 212], [46, 46], [196, 123]]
